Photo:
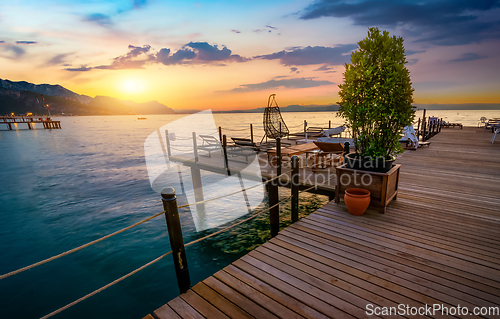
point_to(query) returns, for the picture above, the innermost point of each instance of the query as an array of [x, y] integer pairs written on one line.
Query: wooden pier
[[30, 121], [438, 243]]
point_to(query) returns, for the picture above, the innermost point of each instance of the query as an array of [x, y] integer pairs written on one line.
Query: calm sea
[[64, 188]]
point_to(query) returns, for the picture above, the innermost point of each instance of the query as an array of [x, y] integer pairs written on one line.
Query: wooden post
[[440, 124], [220, 134], [195, 148], [423, 128], [418, 128], [251, 132], [169, 153], [278, 155], [295, 188], [330, 124], [224, 148], [274, 213], [176, 241]]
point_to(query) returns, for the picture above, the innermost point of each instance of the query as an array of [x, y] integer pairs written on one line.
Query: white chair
[[410, 136]]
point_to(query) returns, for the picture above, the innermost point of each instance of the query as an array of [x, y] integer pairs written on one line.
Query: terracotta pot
[[357, 200]]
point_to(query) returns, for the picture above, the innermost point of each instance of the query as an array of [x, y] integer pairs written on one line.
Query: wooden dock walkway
[[47, 122], [438, 243]]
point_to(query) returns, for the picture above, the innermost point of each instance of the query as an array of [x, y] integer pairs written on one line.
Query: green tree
[[377, 94]]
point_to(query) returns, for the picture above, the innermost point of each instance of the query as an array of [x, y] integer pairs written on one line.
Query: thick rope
[[117, 232], [157, 259], [104, 287], [78, 248]]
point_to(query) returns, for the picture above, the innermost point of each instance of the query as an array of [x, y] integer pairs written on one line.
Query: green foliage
[[377, 94], [256, 232]]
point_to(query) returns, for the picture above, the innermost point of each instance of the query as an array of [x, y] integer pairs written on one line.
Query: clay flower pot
[[357, 200]]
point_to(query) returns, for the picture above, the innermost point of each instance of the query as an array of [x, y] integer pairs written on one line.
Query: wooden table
[[290, 151]]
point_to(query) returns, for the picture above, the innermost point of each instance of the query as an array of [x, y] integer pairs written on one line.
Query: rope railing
[[159, 258], [78, 248], [236, 130], [121, 231]]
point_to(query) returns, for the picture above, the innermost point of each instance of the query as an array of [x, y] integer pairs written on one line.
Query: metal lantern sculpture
[[274, 126]]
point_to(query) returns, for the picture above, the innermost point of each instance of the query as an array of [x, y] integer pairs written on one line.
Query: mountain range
[[22, 97]]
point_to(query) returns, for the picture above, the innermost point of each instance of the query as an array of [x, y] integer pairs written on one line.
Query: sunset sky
[[233, 54]]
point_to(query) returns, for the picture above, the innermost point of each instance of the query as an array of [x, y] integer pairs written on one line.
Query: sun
[[133, 86]]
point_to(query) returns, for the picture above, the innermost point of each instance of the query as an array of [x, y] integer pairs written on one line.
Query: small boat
[[141, 118]]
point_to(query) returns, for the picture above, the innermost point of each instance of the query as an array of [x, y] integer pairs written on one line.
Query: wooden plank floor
[[438, 243]]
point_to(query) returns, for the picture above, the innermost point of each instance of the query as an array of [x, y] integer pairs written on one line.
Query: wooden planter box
[[382, 186]]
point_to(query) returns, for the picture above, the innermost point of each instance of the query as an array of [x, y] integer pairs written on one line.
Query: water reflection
[[189, 157]]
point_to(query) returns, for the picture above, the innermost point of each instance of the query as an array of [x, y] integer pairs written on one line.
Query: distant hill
[[291, 108], [22, 97]]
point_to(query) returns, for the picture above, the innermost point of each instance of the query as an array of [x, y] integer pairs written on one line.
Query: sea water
[[64, 188]]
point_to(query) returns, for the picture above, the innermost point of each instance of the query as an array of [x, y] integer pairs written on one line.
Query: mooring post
[[295, 188], [440, 124], [167, 138], [423, 127], [176, 241], [278, 155], [195, 148], [224, 148], [220, 134], [274, 213], [330, 124], [251, 132]]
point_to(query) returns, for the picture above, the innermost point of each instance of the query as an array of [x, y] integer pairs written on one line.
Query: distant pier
[[30, 121]]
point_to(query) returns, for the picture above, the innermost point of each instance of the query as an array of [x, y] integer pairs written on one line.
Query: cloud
[[99, 18], [312, 55], [198, 53], [129, 61], [83, 68], [164, 57], [2, 41], [411, 52], [26, 42], [58, 59], [469, 57], [412, 61], [191, 53], [287, 83], [324, 68], [292, 70], [445, 22], [236, 31], [268, 28], [16, 50]]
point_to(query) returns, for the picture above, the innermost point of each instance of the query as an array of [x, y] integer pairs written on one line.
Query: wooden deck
[[438, 243]]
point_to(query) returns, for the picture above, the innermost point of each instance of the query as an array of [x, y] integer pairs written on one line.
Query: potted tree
[[376, 99]]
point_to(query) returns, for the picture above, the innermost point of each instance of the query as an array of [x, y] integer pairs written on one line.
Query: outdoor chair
[[209, 144], [242, 147]]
